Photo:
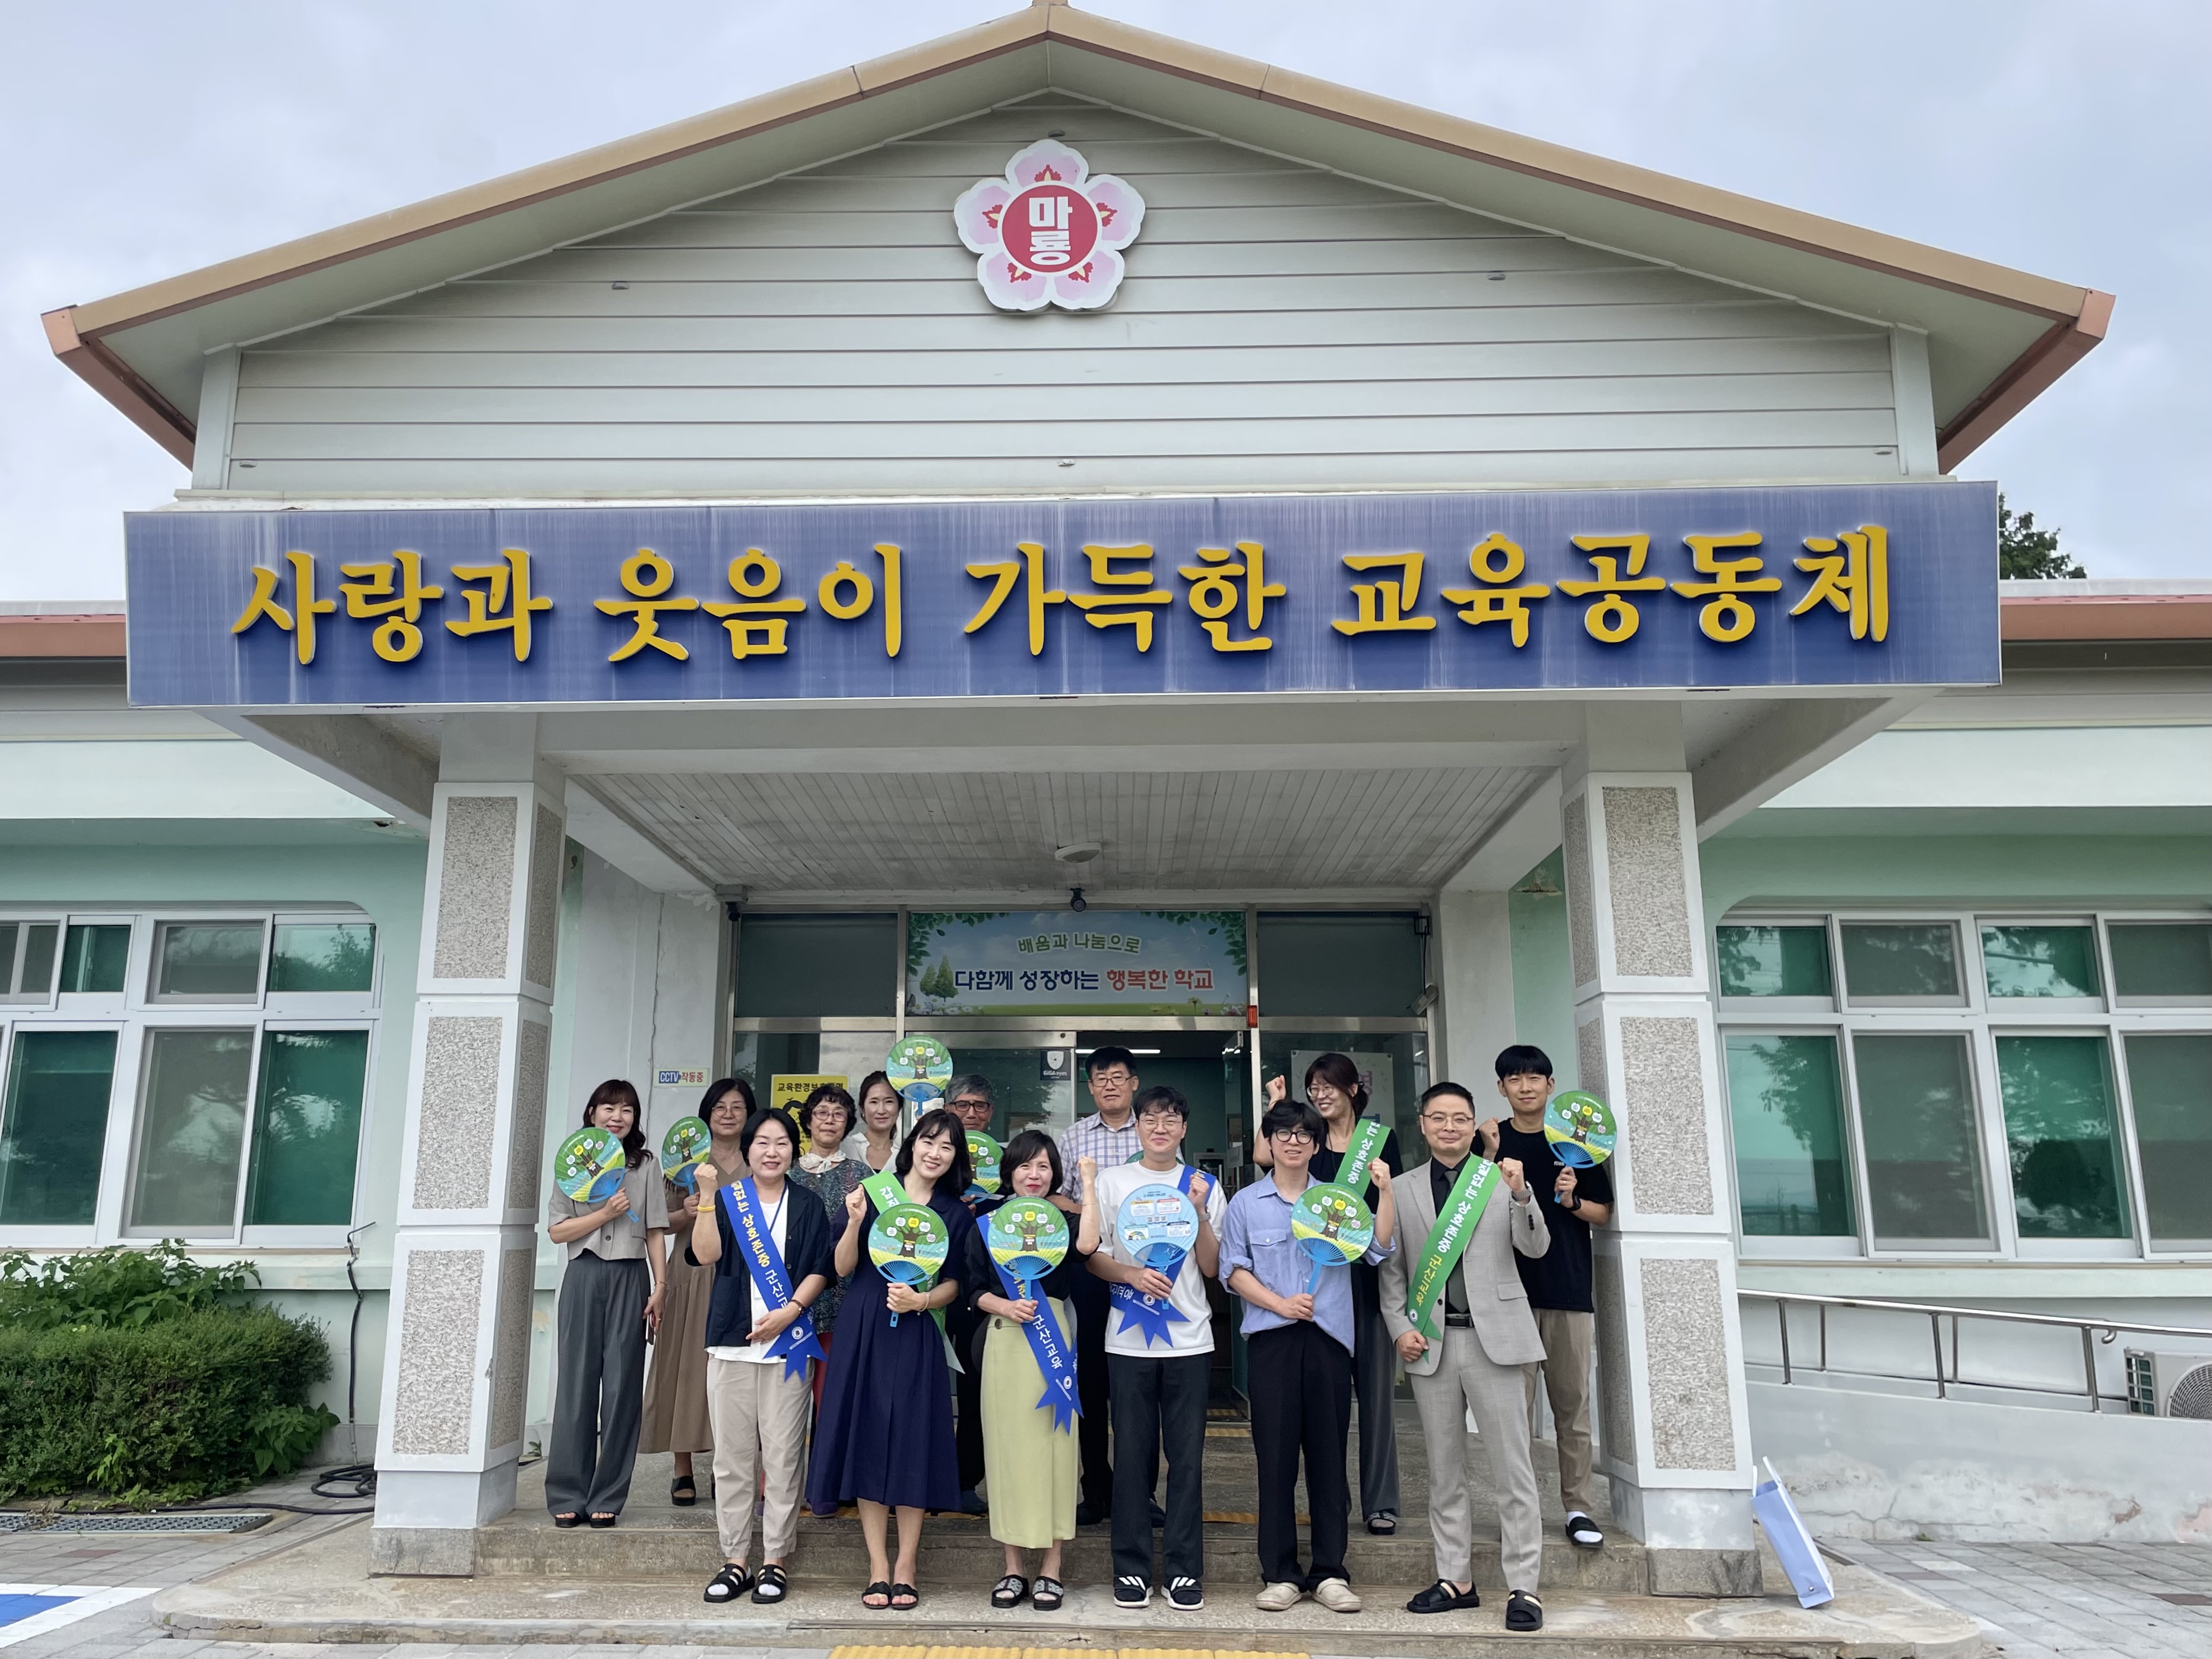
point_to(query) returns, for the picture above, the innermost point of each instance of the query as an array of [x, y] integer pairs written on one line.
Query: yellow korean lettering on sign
[[755, 620], [1213, 597], [1726, 616], [1854, 580], [1613, 619], [1029, 570], [847, 594], [1497, 563], [1121, 609], [297, 619], [393, 592], [503, 604], [1386, 606], [645, 577]]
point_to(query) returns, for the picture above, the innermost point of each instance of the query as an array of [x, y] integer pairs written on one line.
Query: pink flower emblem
[[1048, 233]]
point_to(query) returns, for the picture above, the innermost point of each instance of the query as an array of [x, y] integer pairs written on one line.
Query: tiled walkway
[[2065, 1600]]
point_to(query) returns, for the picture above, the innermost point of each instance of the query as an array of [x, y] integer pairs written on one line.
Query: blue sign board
[[1568, 589]]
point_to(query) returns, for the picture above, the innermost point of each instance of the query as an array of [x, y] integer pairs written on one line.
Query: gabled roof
[[1996, 337]]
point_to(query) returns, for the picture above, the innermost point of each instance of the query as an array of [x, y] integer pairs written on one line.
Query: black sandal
[[1010, 1591], [769, 1584], [1382, 1523], [683, 1491], [1049, 1595], [913, 1598], [605, 1521], [573, 1518], [729, 1583], [878, 1588]]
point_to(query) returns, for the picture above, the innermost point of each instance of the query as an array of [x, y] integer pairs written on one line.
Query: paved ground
[[2065, 1600]]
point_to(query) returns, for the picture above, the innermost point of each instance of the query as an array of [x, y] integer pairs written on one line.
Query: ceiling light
[[1081, 852]]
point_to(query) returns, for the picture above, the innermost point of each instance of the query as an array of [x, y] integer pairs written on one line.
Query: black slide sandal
[[683, 1491], [1049, 1595], [878, 1588], [728, 1585], [769, 1585], [913, 1598], [1010, 1591]]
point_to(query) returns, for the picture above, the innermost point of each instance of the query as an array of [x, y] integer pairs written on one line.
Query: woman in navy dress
[[883, 1439]]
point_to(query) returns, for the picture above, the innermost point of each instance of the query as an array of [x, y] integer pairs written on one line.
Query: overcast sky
[[146, 139]]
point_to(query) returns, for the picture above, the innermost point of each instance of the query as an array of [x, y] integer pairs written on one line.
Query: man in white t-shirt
[[1159, 1387]]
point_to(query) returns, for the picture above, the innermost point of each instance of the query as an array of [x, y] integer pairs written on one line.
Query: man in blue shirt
[[1299, 1350]]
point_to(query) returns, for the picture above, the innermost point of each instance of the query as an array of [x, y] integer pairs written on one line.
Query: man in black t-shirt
[[1559, 1281]]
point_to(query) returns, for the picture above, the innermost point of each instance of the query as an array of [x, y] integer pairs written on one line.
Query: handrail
[[2113, 1325], [2093, 1331]]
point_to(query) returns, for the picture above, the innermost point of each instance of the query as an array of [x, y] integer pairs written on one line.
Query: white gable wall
[[1280, 327]]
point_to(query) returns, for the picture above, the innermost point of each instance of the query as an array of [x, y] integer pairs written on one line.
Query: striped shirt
[[1093, 1138]]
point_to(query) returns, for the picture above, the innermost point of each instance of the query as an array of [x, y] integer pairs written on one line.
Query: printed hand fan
[[589, 1166], [1333, 1226], [919, 1067], [1027, 1236], [1580, 1129], [681, 1150], [908, 1243]]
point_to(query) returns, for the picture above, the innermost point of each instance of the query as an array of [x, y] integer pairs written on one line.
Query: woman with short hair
[[764, 1237], [610, 1302], [831, 1175], [1032, 1464], [676, 1418]]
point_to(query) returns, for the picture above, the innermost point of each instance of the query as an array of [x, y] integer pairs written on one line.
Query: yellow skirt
[[1030, 1466]]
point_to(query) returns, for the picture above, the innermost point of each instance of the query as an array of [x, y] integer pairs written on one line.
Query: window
[[26, 961], [201, 1077], [52, 1124], [2036, 1085], [1787, 1098], [208, 961]]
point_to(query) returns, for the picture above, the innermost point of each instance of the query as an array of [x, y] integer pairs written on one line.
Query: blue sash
[[1152, 1314], [771, 1282], [1054, 1363]]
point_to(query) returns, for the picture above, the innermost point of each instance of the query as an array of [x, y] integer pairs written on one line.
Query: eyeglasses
[[1115, 1079], [1458, 1121], [1295, 1137], [969, 1103], [1159, 1117]]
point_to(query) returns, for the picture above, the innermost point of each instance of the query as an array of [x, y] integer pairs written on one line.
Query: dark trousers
[[968, 1400], [1300, 1384], [1159, 1403], [1092, 1311], [598, 1401], [1375, 1380]]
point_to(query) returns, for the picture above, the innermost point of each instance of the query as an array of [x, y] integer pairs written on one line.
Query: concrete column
[[456, 1360], [1474, 975], [1671, 1401]]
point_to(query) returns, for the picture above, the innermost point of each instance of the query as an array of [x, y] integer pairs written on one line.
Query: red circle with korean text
[[1049, 227]]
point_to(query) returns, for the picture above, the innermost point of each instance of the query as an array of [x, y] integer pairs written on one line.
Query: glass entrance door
[[1032, 1074]]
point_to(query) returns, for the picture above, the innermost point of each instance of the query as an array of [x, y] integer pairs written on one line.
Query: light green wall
[[2089, 870], [1543, 978]]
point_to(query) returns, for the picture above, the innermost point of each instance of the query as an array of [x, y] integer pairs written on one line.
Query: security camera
[[1075, 899]]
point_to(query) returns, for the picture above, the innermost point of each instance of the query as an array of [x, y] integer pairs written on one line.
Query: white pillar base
[[426, 1519]]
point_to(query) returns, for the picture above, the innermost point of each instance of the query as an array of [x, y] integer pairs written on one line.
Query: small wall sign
[[680, 1077], [1048, 232]]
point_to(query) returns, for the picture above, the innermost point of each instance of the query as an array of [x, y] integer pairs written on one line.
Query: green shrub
[[119, 1286], [140, 1378]]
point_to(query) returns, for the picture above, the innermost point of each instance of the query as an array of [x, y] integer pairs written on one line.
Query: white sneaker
[[1337, 1595], [1278, 1598]]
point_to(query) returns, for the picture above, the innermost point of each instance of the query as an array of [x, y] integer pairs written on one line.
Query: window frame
[[135, 1012], [9, 1002], [1981, 1019]]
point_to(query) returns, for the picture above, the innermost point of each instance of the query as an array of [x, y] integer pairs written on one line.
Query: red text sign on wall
[[1049, 232]]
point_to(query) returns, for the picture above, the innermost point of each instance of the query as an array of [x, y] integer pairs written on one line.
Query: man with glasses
[[1159, 1387], [969, 1100], [1298, 1346], [1485, 1334], [1108, 1139]]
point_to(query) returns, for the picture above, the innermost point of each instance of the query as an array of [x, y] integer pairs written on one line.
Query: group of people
[[811, 1381]]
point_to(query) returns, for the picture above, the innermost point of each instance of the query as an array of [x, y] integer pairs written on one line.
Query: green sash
[[1367, 1139], [886, 1189], [1447, 1240]]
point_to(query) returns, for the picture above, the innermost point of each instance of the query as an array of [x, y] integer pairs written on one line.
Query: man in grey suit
[[1487, 1335]]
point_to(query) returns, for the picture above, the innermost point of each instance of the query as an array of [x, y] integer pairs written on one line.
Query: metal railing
[[2094, 1333]]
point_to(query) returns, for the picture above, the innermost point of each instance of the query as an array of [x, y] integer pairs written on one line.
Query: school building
[[1062, 537]]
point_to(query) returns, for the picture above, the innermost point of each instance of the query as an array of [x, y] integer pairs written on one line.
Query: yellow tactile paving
[[920, 1652]]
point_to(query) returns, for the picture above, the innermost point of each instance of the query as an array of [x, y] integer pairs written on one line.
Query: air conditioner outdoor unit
[[2170, 1384]]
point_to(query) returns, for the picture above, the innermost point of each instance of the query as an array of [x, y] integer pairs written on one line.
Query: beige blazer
[[1495, 1298]]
